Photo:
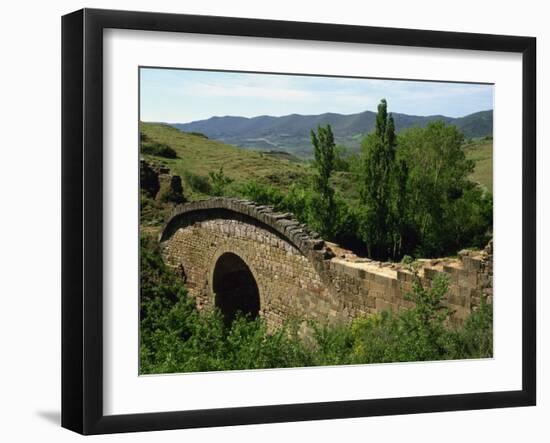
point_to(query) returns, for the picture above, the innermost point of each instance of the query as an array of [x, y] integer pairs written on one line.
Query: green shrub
[[262, 194], [151, 212], [198, 134], [475, 338], [158, 149], [219, 181], [198, 183]]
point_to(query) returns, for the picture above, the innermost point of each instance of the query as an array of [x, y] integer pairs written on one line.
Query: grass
[[200, 156], [481, 152]]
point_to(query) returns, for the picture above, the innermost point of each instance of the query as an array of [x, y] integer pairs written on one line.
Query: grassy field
[[482, 153]]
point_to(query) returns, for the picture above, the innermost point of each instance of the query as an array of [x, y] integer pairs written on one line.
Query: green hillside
[[481, 152], [199, 156]]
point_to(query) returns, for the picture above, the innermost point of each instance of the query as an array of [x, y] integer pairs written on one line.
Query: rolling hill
[[291, 133], [199, 156]]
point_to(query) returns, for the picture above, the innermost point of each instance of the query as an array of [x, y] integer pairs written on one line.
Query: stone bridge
[[240, 256]]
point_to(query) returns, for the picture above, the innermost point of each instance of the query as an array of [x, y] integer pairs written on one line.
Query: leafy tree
[[447, 210]]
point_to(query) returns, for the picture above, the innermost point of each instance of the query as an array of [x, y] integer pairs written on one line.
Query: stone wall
[[299, 274]]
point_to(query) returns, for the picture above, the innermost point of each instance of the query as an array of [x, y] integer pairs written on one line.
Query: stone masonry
[[299, 274]]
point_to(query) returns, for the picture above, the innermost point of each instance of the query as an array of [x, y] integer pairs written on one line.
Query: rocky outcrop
[[157, 181]]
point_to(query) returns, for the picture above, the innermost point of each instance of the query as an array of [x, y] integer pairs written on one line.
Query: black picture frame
[[82, 218]]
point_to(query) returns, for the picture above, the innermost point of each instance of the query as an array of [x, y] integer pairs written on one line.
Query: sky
[[182, 96]]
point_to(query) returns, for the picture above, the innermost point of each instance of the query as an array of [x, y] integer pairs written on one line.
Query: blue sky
[[181, 96]]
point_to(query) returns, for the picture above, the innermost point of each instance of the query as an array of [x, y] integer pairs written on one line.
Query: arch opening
[[235, 289]]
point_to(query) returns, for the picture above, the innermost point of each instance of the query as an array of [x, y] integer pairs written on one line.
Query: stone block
[[467, 279], [471, 263], [371, 302], [430, 273], [382, 305], [382, 280], [403, 275]]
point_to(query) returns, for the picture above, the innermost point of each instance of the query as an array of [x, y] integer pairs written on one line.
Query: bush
[[475, 338], [198, 134], [219, 181], [151, 212], [262, 194], [158, 149], [198, 183]]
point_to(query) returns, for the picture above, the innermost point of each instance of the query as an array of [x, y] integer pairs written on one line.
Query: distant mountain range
[[291, 133]]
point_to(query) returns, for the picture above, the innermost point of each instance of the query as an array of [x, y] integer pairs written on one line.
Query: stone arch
[[228, 247], [234, 287], [288, 263]]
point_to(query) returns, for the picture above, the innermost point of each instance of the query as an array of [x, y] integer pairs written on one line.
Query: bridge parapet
[[284, 223]]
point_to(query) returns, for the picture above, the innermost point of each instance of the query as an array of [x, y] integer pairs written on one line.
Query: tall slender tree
[[323, 206], [381, 185]]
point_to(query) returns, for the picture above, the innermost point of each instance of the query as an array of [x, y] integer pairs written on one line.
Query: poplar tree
[[381, 185], [323, 206]]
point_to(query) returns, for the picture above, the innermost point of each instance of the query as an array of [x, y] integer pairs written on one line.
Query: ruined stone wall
[[159, 183], [299, 274], [367, 286]]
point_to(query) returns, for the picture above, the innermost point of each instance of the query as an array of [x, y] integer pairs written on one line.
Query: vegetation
[[151, 212], [383, 187], [480, 151], [157, 149], [200, 156], [324, 205], [422, 192], [219, 182], [416, 197], [198, 183], [176, 338]]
